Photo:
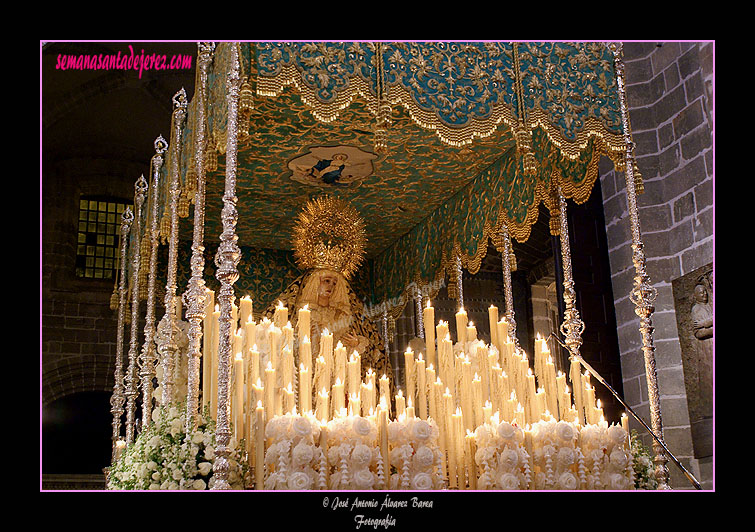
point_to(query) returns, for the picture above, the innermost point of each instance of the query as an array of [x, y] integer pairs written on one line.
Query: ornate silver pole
[[179, 114], [643, 294], [148, 355], [572, 326], [507, 290], [131, 376], [459, 281], [420, 313], [195, 295], [118, 399], [227, 259]]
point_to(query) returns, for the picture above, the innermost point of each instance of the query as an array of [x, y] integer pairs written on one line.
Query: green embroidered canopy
[[435, 144]]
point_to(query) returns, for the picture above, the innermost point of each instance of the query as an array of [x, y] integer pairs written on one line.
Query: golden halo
[[329, 234]]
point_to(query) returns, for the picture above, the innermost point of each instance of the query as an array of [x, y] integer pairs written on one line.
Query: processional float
[[535, 117]]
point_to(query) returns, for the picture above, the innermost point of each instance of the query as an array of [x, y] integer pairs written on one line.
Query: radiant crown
[[329, 234]]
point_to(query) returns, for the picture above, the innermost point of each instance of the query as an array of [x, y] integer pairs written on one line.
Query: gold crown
[[329, 234]]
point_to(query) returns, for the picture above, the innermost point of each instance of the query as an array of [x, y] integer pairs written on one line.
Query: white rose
[[617, 481], [302, 454], [361, 426], [422, 430], [177, 474], [156, 476], [299, 481], [302, 427], [509, 458], [363, 479], [567, 481], [617, 434], [565, 456], [565, 431], [483, 435], [204, 468], [506, 430], [424, 457], [209, 453], [395, 431], [154, 486], [173, 412], [361, 455], [197, 438], [199, 484], [618, 458], [422, 481], [508, 481]]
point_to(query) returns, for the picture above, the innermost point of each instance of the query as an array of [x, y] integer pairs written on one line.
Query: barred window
[[97, 251]]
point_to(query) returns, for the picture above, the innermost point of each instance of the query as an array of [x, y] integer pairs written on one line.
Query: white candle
[[305, 389], [385, 392], [322, 406], [429, 321], [339, 399], [461, 327], [409, 372], [280, 317], [245, 310], [421, 387], [259, 429], [471, 332], [238, 397], [269, 391], [493, 320], [340, 362], [303, 325], [305, 352], [353, 374], [400, 404]]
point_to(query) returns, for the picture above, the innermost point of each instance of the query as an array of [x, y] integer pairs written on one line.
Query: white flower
[[177, 474], [209, 453], [618, 458], [617, 481], [361, 456], [204, 468], [508, 481], [565, 431], [361, 426], [616, 434], [302, 426], [565, 456], [154, 486], [197, 437], [483, 435], [198, 484], [156, 476], [363, 479], [395, 431], [506, 430], [299, 481], [424, 457], [302, 454], [567, 481], [421, 429], [422, 481], [509, 458]]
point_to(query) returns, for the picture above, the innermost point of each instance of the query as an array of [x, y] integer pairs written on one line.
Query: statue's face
[[327, 284], [700, 294]]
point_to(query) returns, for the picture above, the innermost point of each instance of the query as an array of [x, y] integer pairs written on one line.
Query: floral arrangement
[[415, 454], [608, 462], [501, 457], [165, 457], [642, 464], [354, 457], [294, 460], [553, 455]]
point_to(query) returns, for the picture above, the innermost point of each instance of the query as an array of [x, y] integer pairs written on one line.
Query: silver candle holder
[[148, 354], [118, 400], [131, 374], [227, 259], [195, 296]]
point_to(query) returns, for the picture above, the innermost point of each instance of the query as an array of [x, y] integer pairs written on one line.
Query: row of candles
[[445, 386]]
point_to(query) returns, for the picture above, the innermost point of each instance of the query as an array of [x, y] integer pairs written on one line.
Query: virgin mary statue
[[329, 241]]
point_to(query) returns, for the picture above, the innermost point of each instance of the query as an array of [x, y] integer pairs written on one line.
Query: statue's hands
[[350, 340]]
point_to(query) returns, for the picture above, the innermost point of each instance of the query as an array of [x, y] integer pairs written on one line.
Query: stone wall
[[669, 89]]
